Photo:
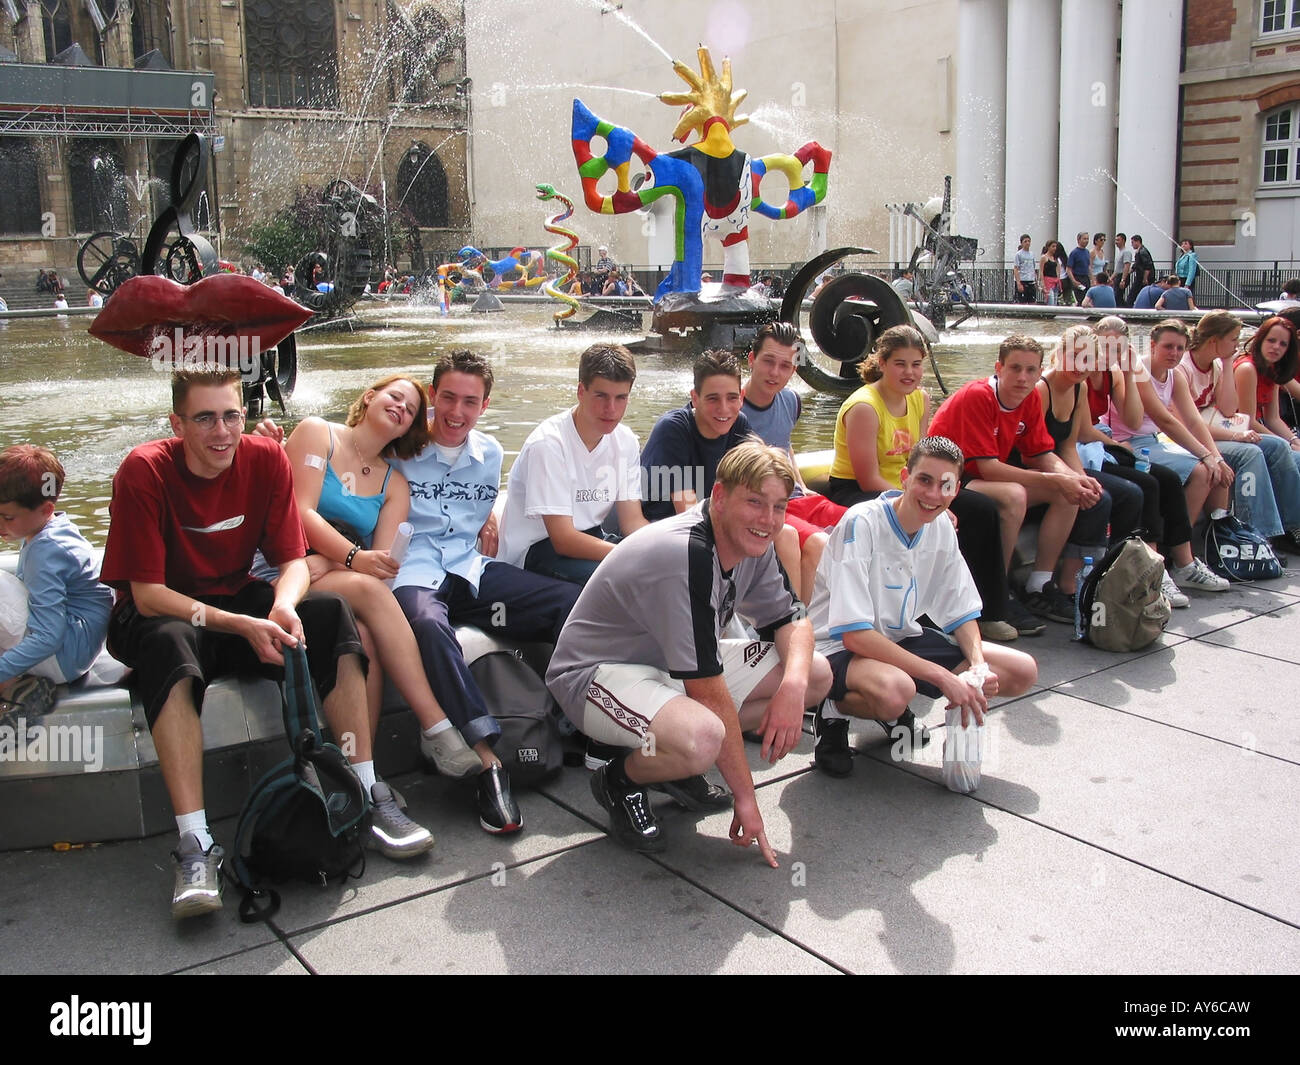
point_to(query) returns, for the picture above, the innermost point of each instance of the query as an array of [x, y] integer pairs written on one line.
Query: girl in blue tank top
[[342, 480]]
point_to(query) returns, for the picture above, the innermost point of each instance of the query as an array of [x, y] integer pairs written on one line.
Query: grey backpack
[[1120, 603], [530, 745]]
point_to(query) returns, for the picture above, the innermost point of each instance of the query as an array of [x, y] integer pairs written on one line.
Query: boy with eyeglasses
[[188, 514]]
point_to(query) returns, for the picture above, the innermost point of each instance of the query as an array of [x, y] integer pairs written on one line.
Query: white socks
[[197, 822], [1036, 580], [365, 772], [433, 730], [830, 712]]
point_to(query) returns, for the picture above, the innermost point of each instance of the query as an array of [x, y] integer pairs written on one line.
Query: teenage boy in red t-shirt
[[988, 419], [187, 516]]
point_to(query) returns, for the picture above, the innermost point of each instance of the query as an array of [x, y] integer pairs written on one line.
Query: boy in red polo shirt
[[988, 419]]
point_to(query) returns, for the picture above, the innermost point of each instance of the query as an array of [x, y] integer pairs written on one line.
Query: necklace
[[365, 466]]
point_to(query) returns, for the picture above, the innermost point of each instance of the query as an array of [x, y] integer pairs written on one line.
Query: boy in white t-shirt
[[573, 469], [887, 563]]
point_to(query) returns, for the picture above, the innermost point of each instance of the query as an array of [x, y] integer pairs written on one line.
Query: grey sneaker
[[451, 754], [392, 833], [198, 878]]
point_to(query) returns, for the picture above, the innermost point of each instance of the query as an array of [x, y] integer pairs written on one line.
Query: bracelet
[[351, 555]]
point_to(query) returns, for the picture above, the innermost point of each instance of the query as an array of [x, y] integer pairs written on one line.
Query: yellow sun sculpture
[[710, 97]]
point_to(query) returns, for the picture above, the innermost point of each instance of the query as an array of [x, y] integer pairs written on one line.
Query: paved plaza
[[1137, 814]]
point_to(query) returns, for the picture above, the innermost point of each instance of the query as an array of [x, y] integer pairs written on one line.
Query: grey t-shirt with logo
[[661, 599]]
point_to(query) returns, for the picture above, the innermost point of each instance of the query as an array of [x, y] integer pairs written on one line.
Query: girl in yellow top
[[874, 431]]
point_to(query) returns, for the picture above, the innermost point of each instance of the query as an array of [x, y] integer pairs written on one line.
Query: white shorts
[[623, 698]]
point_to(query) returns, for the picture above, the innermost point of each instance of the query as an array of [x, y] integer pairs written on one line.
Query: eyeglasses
[[207, 421]]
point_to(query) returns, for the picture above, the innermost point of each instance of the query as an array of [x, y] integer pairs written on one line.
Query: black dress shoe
[[497, 811]]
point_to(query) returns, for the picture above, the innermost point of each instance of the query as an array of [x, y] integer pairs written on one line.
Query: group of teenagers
[[697, 594]]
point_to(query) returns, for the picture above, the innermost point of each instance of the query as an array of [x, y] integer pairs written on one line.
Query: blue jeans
[[1266, 492]]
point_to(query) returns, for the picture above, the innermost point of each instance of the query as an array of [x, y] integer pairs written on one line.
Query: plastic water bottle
[[1143, 464], [1078, 597], [962, 752]]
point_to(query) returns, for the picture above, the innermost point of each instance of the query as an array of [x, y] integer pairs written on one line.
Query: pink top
[[1120, 431]]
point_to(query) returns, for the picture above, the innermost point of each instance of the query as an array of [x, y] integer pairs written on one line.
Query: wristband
[[351, 555]]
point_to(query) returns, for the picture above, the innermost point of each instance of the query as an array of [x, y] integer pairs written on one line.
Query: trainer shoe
[[695, 794], [451, 754], [630, 817], [498, 812], [1170, 591], [31, 697], [1196, 576], [199, 882], [392, 833], [831, 753], [1051, 603], [599, 754], [1001, 631], [1025, 623], [916, 734]]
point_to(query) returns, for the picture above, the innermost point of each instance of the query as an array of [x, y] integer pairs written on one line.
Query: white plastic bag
[[13, 610], [961, 744]]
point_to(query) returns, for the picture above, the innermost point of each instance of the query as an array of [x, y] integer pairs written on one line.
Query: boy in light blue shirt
[[67, 608]]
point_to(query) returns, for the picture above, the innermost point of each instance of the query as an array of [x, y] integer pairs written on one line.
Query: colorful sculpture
[[715, 184], [520, 269], [557, 290]]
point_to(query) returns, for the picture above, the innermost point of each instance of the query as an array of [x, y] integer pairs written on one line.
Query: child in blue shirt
[[67, 607]]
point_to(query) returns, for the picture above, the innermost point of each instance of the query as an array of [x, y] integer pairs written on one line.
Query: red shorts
[[812, 513]]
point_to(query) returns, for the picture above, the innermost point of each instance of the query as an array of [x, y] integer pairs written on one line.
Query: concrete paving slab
[[273, 960], [884, 872], [1275, 635], [1210, 611], [107, 910], [1060, 659], [1154, 794], [598, 908], [463, 850], [1220, 692]]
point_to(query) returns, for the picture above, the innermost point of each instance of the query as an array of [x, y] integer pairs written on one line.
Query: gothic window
[[97, 182], [292, 53], [422, 187], [20, 207], [56, 25]]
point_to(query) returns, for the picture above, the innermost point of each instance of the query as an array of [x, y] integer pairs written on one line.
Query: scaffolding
[[45, 100]]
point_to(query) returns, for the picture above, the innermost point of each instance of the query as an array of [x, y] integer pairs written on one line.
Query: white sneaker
[[1170, 591], [451, 754], [1196, 576]]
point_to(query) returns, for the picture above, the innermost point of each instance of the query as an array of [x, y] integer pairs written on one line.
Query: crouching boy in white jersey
[[887, 563]]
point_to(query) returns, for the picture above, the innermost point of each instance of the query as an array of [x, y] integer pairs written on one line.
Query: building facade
[[302, 92]]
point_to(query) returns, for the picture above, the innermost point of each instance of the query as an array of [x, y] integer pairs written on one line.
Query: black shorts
[[932, 645], [164, 650]]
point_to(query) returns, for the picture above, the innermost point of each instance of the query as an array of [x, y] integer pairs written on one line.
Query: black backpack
[[1235, 550], [307, 818], [530, 745]]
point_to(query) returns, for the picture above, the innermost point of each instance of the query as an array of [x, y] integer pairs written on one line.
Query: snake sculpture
[[516, 270], [559, 253]]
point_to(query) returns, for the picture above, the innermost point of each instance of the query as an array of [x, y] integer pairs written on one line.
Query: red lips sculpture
[[150, 314]]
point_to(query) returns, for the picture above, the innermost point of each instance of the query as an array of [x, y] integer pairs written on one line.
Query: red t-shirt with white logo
[[194, 535], [974, 420]]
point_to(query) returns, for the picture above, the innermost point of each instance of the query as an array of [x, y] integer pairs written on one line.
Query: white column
[[1148, 123], [980, 121], [1033, 102], [1089, 88]]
